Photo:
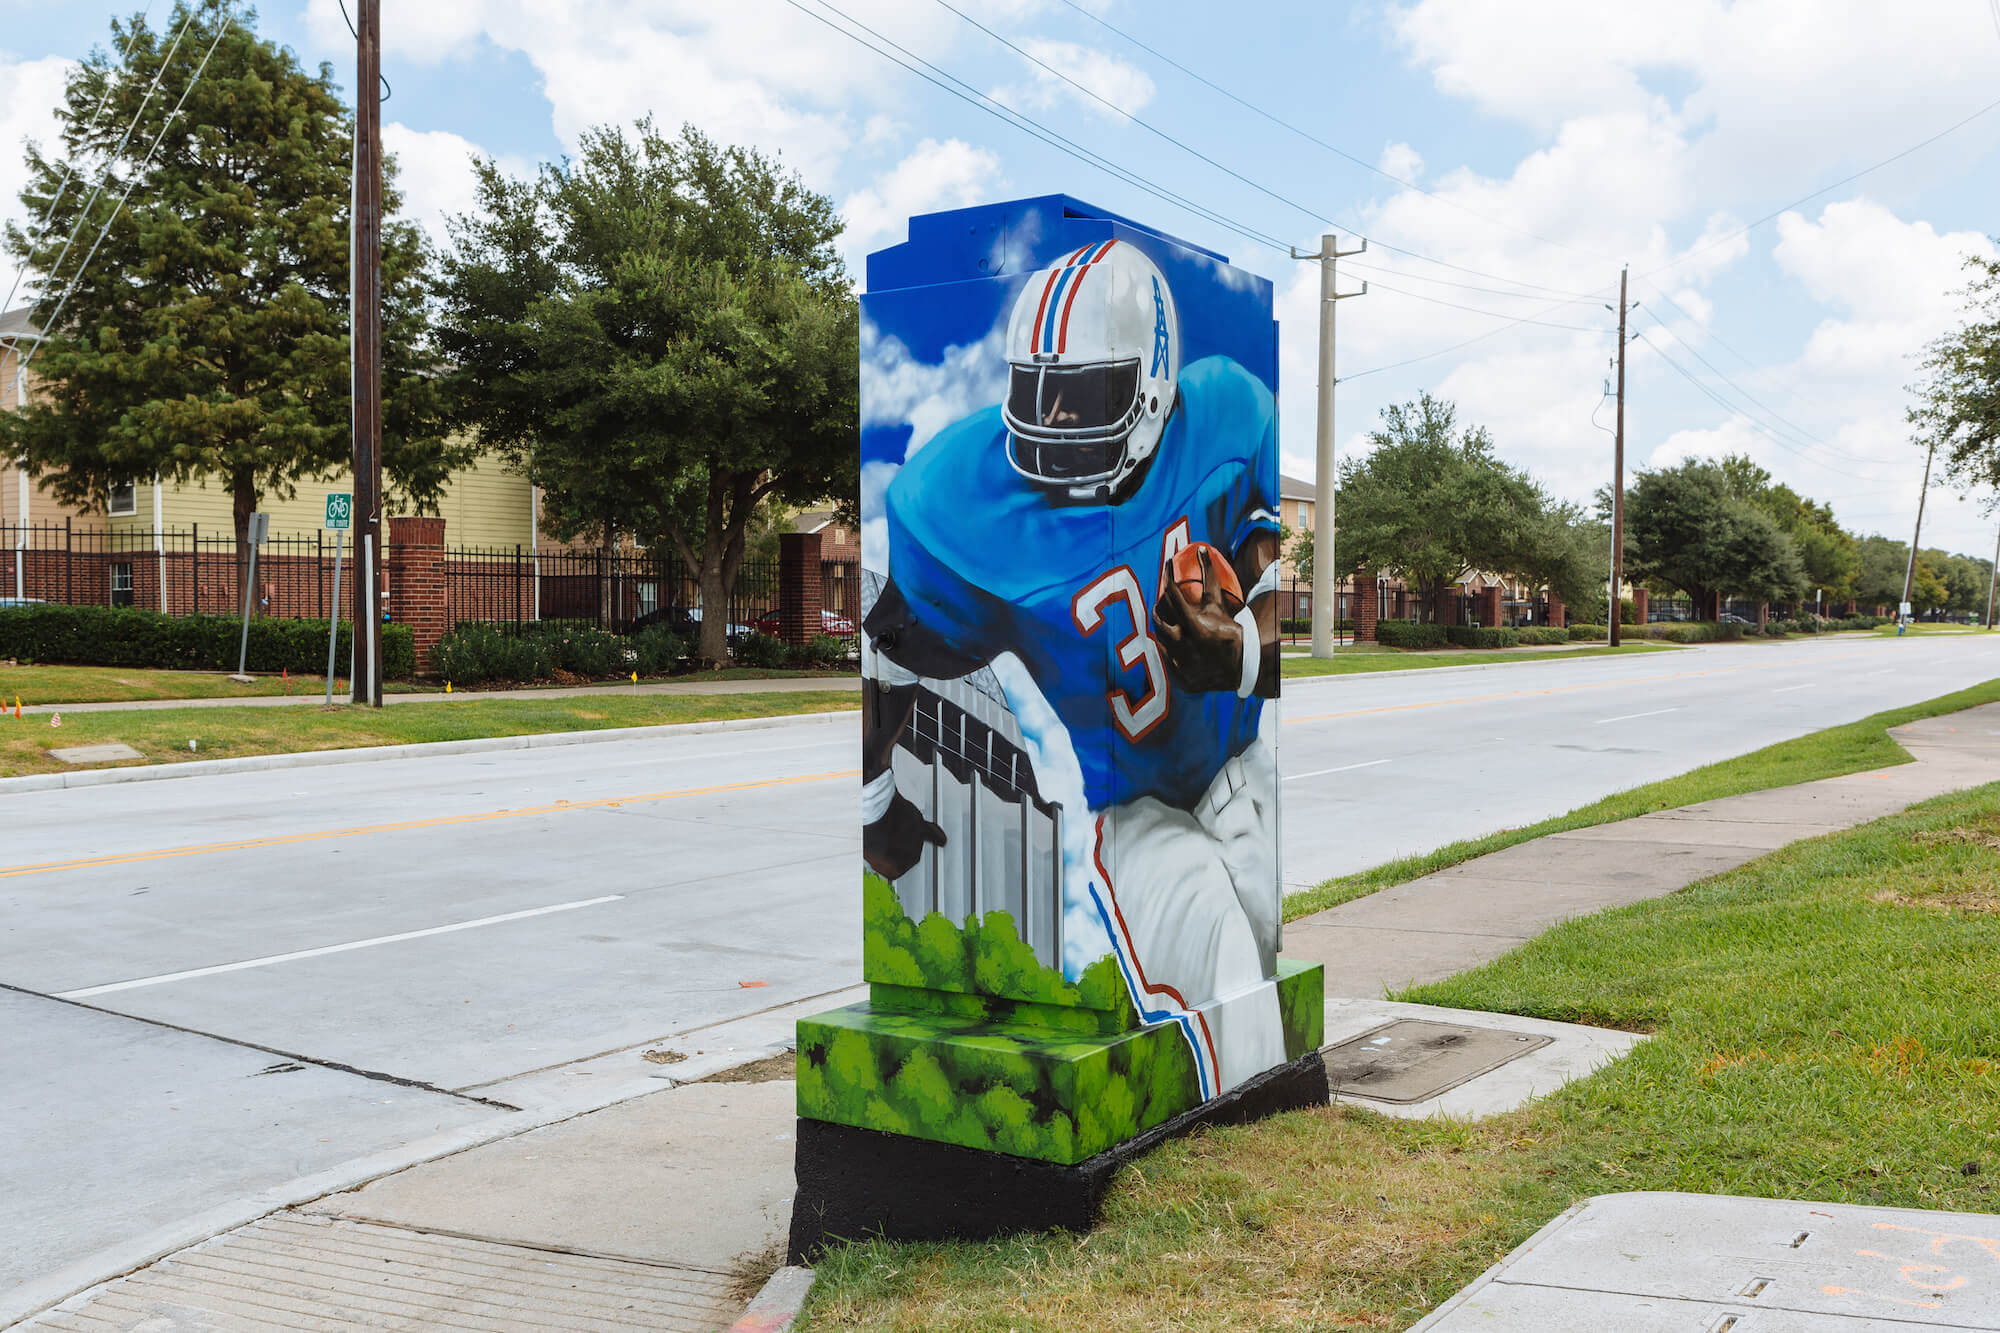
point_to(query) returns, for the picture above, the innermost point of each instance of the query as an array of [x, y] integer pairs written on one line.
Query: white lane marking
[[189, 975], [1629, 716], [1344, 768], [1789, 688]]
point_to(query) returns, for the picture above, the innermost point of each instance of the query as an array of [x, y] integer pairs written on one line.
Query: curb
[[120, 1260], [778, 1304], [106, 777]]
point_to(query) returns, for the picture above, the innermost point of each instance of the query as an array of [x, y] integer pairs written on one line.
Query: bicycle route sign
[[339, 511]]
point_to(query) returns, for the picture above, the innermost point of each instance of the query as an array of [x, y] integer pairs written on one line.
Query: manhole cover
[[1414, 1059]]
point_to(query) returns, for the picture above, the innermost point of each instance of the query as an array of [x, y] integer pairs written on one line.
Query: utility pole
[[1992, 575], [365, 333], [1326, 572], [1618, 476], [1910, 568]]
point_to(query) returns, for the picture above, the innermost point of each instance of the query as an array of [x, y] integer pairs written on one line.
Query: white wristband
[[876, 795], [1267, 582], [1253, 654]]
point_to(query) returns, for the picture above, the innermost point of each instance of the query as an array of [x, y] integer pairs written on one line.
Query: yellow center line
[[441, 821], [1558, 689]]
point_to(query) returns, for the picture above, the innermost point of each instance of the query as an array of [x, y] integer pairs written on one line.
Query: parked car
[[682, 620], [829, 623], [1731, 618]]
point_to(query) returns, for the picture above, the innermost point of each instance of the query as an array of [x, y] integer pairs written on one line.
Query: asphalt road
[[214, 985]]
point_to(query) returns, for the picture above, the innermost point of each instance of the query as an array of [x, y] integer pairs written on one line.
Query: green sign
[[339, 510]]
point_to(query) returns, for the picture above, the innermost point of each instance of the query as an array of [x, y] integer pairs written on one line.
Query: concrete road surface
[[214, 985]]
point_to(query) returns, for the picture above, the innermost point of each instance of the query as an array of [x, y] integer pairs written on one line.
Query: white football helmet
[[1095, 348]]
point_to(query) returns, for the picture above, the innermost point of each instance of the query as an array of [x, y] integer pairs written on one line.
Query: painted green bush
[[1033, 1093], [983, 957]]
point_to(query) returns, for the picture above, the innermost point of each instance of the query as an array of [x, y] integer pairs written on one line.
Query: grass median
[[163, 735], [1823, 1027], [1356, 660], [1852, 748]]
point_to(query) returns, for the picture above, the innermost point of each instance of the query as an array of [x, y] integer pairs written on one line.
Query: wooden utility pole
[[1917, 537], [1326, 568], [365, 332], [1618, 476]]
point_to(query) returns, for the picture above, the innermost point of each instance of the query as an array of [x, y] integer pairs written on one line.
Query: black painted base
[[854, 1184]]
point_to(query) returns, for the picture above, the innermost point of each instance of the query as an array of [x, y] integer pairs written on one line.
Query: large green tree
[[1431, 500], [1827, 551], [205, 336], [660, 334], [1957, 407], [1687, 527]]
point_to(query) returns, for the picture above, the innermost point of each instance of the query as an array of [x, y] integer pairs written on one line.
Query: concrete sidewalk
[[661, 1210], [1475, 911], [315, 699]]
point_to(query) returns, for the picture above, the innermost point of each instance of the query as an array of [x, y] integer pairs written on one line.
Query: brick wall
[[1366, 612], [1640, 603], [1489, 606], [801, 586], [416, 581], [1558, 613]]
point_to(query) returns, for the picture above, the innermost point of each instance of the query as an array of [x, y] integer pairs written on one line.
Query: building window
[[121, 583], [123, 500], [647, 593]]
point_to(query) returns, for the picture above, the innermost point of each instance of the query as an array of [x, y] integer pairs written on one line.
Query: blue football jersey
[[990, 563]]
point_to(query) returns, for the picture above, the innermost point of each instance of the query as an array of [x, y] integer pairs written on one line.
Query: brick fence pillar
[[1640, 598], [801, 586], [1366, 608], [1489, 607], [1763, 614], [416, 581], [1558, 613]]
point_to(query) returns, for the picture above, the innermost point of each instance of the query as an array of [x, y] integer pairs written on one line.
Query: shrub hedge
[[1303, 624], [1473, 636], [1583, 633], [1695, 631], [1543, 634], [1408, 634], [101, 636]]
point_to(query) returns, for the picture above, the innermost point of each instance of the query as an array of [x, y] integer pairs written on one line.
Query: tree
[[1958, 399], [660, 335], [1827, 552], [1299, 548], [1686, 527], [1883, 560], [1431, 501], [206, 337]]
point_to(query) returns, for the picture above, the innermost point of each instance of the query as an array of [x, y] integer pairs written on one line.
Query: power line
[[1749, 420], [1196, 153], [1801, 433], [1495, 314], [1826, 189], [1312, 138], [945, 81], [111, 162], [221, 28], [1465, 286], [69, 174], [1477, 337]]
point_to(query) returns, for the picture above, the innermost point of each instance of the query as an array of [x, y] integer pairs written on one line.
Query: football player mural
[[1070, 658]]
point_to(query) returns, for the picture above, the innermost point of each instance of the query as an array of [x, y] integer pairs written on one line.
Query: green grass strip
[[1854, 747], [1356, 661]]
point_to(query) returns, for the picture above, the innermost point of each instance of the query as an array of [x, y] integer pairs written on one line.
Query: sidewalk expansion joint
[[373, 1075]]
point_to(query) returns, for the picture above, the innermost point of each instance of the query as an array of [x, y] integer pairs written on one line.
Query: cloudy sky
[[1504, 159]]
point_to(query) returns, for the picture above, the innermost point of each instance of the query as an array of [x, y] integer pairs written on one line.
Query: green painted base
[[940, 1066]]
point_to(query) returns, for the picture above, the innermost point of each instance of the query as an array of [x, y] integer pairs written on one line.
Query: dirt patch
[[771, 1069], [1983, 834], [748, 1274], [662, 1057]]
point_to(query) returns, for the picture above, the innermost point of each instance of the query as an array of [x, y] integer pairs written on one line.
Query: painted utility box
[[1070, 542]]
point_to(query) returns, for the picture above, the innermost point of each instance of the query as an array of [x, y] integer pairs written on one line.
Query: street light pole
[[1618, 478], [1326, 572], [365, 335]]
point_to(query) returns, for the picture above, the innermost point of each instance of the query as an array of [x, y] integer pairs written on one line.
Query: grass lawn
[[162, 735], [1825, 1025], [1852, 748], [91, 685], [1372, 657]]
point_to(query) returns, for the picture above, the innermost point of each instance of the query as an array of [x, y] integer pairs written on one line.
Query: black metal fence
[[180, 571], [617, 589]]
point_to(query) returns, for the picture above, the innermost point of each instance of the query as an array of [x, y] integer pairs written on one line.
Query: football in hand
[[1185, 570]]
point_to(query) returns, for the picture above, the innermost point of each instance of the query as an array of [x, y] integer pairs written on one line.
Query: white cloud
[[897, 387], [1402, 161], [30, 90], [1124, 86], [435, 174], [935, 175]]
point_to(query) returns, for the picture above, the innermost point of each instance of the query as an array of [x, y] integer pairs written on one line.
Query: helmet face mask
[[1094, 349]]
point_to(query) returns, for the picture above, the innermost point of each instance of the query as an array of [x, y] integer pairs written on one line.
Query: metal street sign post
[[339, 518], [260, 526]]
